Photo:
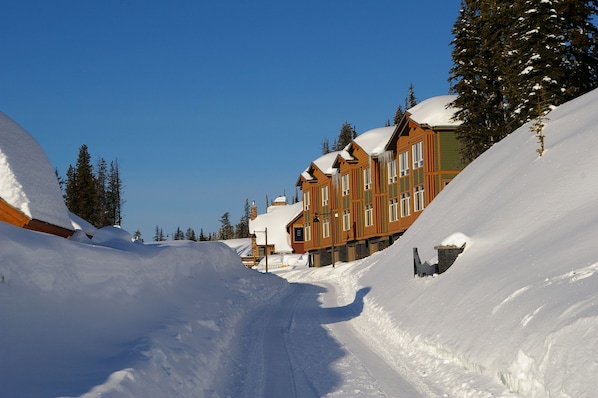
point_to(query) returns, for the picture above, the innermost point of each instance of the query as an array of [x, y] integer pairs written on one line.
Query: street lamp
[[265, 231], [317, 220]]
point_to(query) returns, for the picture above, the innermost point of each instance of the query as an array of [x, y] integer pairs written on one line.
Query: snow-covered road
[[303, 344]]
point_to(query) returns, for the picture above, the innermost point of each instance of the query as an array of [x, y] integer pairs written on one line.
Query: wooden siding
[[441, 163]]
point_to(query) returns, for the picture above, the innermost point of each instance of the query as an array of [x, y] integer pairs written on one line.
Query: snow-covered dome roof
[[27, 179], [435, 111]]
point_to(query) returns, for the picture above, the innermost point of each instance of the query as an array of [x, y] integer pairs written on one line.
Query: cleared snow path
[[296, 346]]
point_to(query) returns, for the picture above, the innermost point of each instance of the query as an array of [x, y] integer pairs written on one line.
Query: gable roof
[[28, 182], [324, 163], [372, 142]]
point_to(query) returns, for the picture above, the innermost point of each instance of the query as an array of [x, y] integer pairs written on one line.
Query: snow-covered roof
[[275, 220], [27, 179], [325, 162], [373, 142], [435, 112]]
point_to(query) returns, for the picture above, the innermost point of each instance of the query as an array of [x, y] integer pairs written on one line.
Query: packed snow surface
[[515, 315]]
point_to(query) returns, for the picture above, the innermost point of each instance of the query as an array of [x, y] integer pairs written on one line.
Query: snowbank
[[520, 303], [115, 317]]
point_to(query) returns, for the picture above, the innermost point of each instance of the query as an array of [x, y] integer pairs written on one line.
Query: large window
[[306, 201], [345, 184], [367, 178], [346, 220], [369, 215], [404, 163], [392, 171], [325, 196], [405, 206], [418, 198], [418, 154], [326, 228], [393, 210]]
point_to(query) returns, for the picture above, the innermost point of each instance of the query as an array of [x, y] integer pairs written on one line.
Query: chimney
[[253, 214]]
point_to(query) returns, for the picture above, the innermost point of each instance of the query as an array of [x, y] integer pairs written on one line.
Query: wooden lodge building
[[361, 199]]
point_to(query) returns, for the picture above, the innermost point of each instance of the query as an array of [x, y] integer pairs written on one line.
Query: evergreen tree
[[410, 100], [81, 190], [226, 229], [190, 234], [398, 115], [478, 80], [158, 234], [346, 135], [242, 229], [202, 236], [505, 53], [137, 235], [102, 212], [178, 235], [325, 146], [114, 194]]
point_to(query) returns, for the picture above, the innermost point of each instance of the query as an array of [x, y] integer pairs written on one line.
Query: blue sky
[[206, 104]]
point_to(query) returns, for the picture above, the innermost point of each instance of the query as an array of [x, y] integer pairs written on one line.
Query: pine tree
[[102, 209], [158, 234], [190, 234], [202, 236], [242, 229], [226, 230], [346, 134], [81, 190], [398, 115], [410, 100], [477, 76], [178, 235], [114, 194], [505, 53], [325, 146], [137, 235]]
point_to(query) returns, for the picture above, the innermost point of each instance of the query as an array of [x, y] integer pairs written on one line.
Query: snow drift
[[130, 319], [520, 303]]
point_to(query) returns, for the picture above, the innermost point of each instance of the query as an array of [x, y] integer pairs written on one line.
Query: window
[[306, 201], [392, 171], [325, 196], [307, 232], [346, 220], [405, 207], [369, 215], [393, 210], [418, 154], [326, 228], [418, 198], [299, 237], [404, 163], [367, 178], [345, 184]]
